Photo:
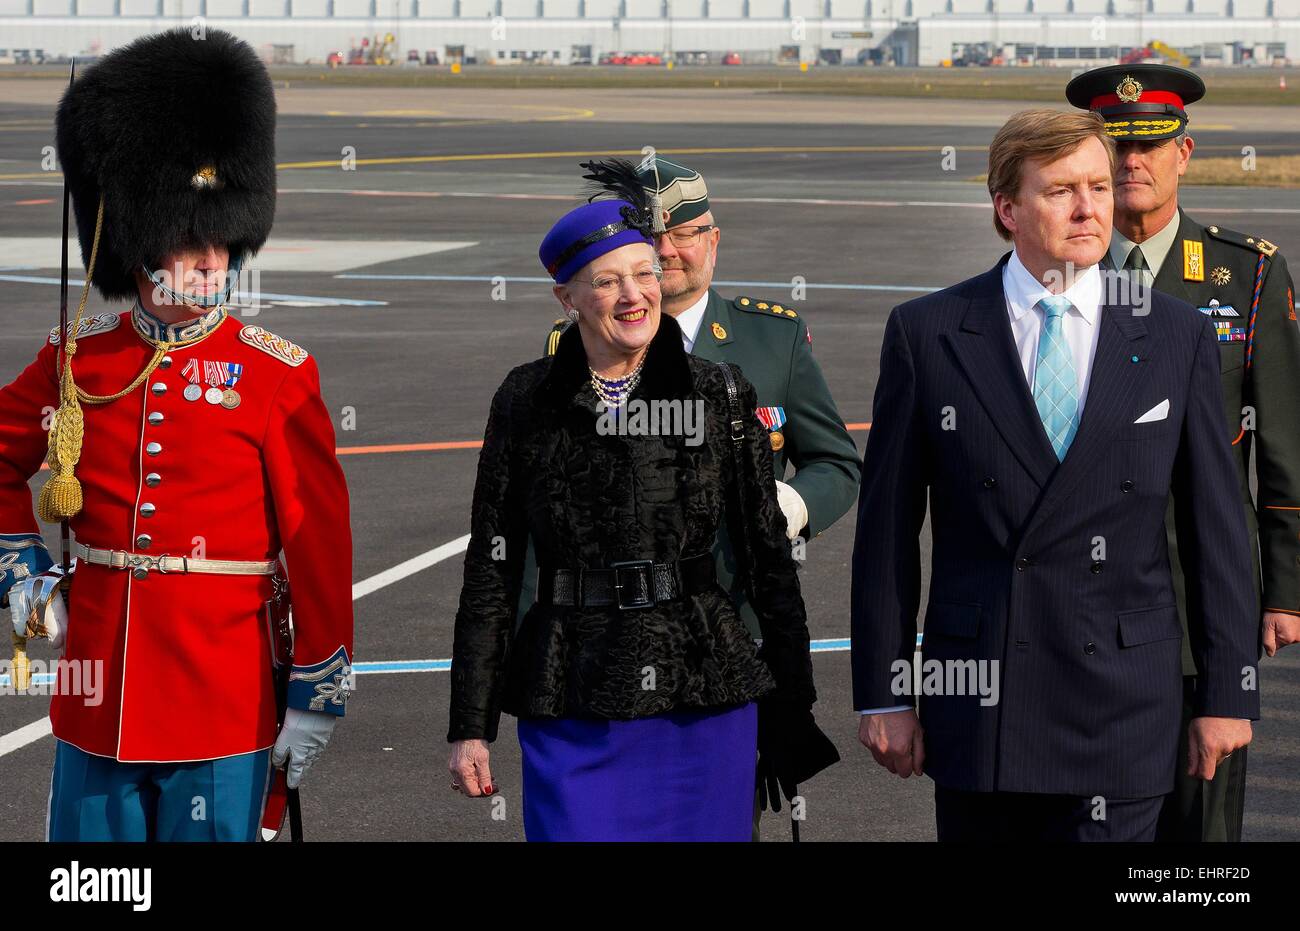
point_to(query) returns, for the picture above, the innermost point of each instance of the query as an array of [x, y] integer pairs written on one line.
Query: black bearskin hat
[[177, 131]]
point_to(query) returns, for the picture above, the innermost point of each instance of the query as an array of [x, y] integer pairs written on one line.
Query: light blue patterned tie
[[1056, 390]]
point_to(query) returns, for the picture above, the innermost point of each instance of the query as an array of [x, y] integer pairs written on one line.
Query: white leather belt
[[142, 565]]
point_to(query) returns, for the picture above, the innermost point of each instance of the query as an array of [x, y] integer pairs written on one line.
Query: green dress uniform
[[1243, 284], [771, 344]]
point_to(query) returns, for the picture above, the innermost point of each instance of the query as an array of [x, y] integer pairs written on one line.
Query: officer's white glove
[[301, 740], [42, 591], [792, 506]]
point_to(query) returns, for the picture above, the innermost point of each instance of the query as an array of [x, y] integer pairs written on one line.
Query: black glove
[[791, 749]]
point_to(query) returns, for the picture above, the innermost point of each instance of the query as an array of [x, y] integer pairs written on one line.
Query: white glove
[[301, 740], [35, 590], [792, 506]]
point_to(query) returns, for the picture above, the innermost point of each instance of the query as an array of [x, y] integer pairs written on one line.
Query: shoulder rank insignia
[[763, 307], [1241, 239], [287, 352], [90, 326], [1193, 260]]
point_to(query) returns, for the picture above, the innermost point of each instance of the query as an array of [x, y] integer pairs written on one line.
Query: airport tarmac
[[405, 259]]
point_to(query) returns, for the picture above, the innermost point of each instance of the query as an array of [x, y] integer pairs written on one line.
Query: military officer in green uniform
[[1242, 282], [770, 341]]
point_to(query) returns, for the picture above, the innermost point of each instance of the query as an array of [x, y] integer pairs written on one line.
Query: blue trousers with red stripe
[[94, 798]]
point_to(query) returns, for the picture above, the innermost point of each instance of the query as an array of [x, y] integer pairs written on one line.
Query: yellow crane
[[381, 50], [1169, 53]]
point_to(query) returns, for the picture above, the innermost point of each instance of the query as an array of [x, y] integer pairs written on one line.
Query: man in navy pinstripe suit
[[1049, 414]]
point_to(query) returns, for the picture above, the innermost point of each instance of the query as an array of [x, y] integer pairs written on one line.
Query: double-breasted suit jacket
[[1057, 572]]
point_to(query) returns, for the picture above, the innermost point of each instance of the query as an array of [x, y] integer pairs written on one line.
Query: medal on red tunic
[[191, 372], [229, 396], [214, 373]]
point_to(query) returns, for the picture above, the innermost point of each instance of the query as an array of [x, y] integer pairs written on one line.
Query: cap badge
[[205, 179], [1129, 90]]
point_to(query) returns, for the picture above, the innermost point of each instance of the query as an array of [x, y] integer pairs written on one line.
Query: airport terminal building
[[564, 32]]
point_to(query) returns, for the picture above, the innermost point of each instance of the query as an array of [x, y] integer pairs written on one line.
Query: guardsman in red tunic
[[194, 459]]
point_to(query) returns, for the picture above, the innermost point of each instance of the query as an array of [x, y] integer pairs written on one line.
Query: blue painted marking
[[410, 665], [443, 665]]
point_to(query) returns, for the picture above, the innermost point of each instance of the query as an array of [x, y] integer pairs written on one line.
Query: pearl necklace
[[613, 391]]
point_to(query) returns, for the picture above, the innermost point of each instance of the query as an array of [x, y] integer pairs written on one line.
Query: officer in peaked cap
[[1242, 282], [188, 452]]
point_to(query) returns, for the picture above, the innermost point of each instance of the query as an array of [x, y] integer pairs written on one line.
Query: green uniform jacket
[[771, 345], [1269, 386]]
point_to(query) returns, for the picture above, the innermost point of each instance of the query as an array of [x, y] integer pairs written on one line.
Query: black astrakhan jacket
[[590, 500]]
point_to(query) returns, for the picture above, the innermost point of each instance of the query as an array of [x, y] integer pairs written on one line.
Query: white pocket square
[[1159, 412]]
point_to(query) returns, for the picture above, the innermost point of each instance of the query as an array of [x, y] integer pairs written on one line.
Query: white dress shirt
[[1081, 326], [690, 319]]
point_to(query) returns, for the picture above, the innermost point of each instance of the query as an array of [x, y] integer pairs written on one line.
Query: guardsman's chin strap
[[215, 299], [61, 498]]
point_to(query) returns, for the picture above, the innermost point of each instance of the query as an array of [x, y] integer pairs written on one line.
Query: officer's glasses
[[607, 284], [683, 237]]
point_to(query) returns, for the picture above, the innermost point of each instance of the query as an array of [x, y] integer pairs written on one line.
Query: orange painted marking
[[32, 203], [407, 447], [456, 444]]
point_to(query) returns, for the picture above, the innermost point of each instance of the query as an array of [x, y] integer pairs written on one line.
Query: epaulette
[[90, 326], [1241, 239], [287, 352], [553, 340], [764, 308]]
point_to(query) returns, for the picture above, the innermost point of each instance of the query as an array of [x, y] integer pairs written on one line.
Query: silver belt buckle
[[141, 565]]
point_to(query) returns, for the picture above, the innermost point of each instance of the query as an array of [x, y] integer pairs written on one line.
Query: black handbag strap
[[740, 531]]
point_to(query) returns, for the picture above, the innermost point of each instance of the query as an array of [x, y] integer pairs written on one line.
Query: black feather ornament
[[618, 178]]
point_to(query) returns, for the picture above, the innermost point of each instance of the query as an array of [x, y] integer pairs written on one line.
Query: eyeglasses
[[607, 284], [684, 236]]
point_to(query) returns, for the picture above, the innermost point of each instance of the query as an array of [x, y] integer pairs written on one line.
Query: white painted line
[[24, 735], [410, 567], [31, 733], [278, 255], [300, 300]]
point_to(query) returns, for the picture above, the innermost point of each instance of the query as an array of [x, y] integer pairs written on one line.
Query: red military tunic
[[186, 658]]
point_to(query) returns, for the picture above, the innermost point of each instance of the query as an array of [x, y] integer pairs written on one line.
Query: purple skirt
[[685, 776]]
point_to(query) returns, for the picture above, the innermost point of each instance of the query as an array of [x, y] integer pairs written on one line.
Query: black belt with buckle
[[635, 583]]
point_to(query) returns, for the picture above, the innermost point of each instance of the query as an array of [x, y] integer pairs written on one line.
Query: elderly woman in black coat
[[641, 699]]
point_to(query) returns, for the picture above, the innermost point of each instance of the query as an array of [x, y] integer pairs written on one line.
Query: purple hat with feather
[[599, 226]]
